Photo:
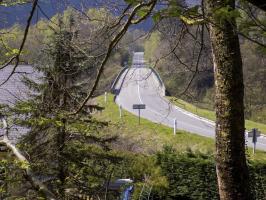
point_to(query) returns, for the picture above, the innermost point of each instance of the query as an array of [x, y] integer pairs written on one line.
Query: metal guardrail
[[158, 76], [117, 79], [113, 89]]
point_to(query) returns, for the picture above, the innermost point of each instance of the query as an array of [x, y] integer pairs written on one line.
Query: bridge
[[140, 84]]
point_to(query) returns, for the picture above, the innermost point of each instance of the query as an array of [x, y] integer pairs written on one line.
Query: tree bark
[[61, 139], [231, 166]]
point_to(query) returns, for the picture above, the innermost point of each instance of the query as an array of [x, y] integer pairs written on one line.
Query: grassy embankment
[[211, 115], [149, 137]]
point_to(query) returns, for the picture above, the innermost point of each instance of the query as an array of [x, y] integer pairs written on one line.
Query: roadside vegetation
[[176, 70], [185, 161], [209, 114], [150, 137], [76, 144]]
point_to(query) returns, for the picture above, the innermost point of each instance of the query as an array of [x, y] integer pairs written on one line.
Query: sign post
[[139, 107], [105, 97], [254, 139], [120, 111], [254, 133], [174, 126]]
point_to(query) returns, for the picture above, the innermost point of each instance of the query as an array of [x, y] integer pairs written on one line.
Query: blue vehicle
[[127, 193], [122, 184]]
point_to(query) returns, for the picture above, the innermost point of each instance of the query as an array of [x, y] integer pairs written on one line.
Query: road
[[142, 85]]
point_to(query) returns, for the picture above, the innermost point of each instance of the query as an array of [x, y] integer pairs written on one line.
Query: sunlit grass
[[211, 115], [3, 155], [151, 137]]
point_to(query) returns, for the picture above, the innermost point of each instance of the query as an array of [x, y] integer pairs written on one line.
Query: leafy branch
[[16, 57]]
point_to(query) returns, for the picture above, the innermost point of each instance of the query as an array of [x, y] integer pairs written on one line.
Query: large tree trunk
[[232, 171]]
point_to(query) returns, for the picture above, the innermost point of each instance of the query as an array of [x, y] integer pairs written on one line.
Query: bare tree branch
[[29, 175], [113, 43], [197, 64], [17, 57]]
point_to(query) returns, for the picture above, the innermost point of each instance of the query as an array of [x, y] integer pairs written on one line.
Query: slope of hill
[[149, 137], [209, 114]]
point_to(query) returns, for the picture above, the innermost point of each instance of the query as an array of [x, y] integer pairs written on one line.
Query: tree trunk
[[231, 167]]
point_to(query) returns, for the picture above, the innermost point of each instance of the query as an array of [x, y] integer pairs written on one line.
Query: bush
[[192, 176]]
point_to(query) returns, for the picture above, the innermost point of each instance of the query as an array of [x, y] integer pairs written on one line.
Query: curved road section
[[141, 85]]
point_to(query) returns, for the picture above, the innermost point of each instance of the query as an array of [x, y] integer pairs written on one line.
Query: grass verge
[[211, 114], [149, 137]]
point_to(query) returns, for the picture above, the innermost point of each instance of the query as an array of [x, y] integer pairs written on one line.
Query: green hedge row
[[192, 176]]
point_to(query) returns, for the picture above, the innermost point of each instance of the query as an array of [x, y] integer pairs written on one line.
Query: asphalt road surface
[[142, 85]]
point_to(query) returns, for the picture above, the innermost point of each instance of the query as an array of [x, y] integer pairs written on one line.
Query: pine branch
[[29, 175]]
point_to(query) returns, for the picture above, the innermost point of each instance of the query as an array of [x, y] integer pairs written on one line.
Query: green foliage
[[72, 151], [151, 45], [3, 176], [176, 9], [143, 11], [8, 3], [226, 13], [210, 114], [148, 137], [190, 175], [12, 52], [8, 45], [193, 175], [133, 2], [185, 171], [11, 176], [258, 179], [150, 176]]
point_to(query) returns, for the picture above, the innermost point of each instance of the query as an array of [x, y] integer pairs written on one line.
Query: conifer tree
[[66, 150]]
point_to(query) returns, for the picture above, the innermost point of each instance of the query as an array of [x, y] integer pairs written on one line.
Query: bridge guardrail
[[113, 89], [160, 80], [117, 79], [158, 76]]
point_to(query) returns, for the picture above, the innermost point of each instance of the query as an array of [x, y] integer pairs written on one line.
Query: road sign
[[139, 106], [254, 133], [254, 136], [250, 133]]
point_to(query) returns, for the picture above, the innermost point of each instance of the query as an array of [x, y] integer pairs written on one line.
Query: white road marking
[[195, 116], [147, 106], [205, 128]]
